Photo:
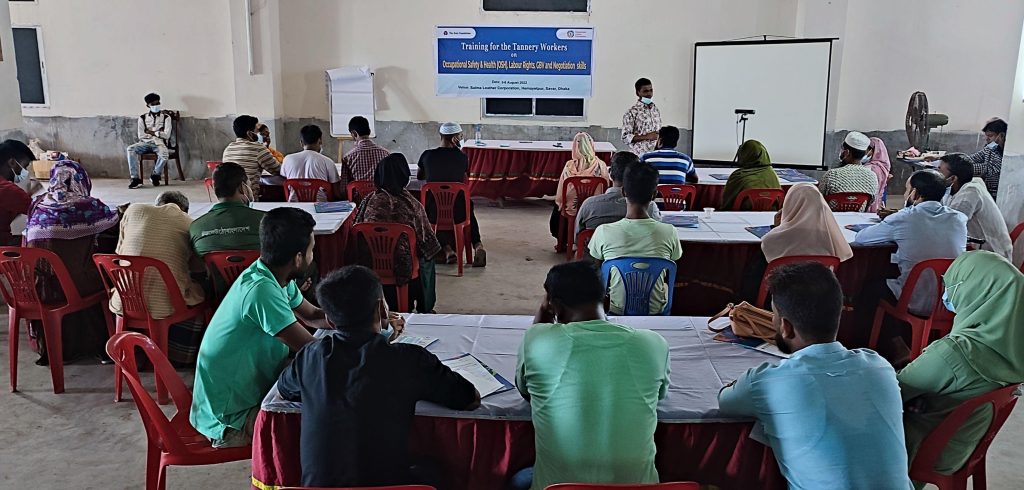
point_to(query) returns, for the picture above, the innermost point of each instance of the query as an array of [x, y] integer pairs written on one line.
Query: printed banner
[[535, 62]]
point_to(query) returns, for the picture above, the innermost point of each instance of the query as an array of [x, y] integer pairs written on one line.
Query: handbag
[[747, 320]]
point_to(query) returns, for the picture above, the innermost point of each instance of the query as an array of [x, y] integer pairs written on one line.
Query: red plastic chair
[[306, 189], [382, 240], [939, 321], [18, 267], [677, 197], [585, 187], [125, 274], [395, 487], [682, 485], [826, 260], [171, 441], [760, 199], [445, 194], [208, 182], [856, 202], [358, 190], [229, 264], [922, 468], [583, 242], [1014, 235]]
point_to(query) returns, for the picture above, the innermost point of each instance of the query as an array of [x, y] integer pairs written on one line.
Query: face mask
[[154, 109], [22, 176], [866, 158], [947, 297], [646, 100], [259, 138], [992, 146]]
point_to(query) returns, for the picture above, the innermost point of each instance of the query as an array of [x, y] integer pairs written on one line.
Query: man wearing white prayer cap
[[851, 175], [448, 163]]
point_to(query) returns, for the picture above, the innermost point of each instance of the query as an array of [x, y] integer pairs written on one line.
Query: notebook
[[750, 343], [790, 175], [485, 379], [681, 220], [414, 340], [720, 176], [759, 231], [333, 207]]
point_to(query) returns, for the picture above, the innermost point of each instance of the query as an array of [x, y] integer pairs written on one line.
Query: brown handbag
[[747, 320]]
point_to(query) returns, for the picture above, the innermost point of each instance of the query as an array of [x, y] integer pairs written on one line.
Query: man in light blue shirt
[[832, 416], [923, 230]]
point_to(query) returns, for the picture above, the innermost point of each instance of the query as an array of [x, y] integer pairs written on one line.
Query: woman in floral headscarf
[[67, 221]]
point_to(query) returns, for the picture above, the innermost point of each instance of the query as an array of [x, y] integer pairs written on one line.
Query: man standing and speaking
[[642, 121]]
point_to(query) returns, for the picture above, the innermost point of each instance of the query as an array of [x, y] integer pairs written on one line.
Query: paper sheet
[[350, 93], [414, 340], [475, 372]]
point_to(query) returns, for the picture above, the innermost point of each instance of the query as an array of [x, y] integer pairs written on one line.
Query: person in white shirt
[[154, 131], [969, 195], [310, 163]]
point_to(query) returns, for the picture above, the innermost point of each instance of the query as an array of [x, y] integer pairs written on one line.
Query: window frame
[[533, 115], [590, 7], [42, 66]]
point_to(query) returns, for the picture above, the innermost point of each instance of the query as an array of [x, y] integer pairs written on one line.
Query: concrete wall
[[10, 100]]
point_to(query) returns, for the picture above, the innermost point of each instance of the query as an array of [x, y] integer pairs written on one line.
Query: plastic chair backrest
[[938, 267], [922, 468], [762, 292], [230, 263], [164, 432], [680, 485], [359, 189], [306, 189], [395, 487], [856, 202], [382, 240], [445, 195], [639, 276], [211, 166], [583, 242], [677, 197], [126, 275], [584, 186], [18, 267], [760, 199]]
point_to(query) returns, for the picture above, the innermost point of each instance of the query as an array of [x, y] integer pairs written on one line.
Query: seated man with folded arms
[[247, 343], [675, 167], [969, 195], [637, 235], [359, 392], [230, 224], [611, 206], [832, 416], [310, 163], [593, 387]]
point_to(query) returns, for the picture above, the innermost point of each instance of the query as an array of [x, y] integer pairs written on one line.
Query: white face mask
[[993, 145], [154, 108], [646, 100], [259, 138]]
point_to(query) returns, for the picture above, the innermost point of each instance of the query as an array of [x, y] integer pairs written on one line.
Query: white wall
[[10, 100], [959, 52], [102, 57], [1015, 133]]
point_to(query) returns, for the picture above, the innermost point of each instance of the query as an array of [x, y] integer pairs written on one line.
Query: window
[[536, 5], [571, 108], [28, 56]]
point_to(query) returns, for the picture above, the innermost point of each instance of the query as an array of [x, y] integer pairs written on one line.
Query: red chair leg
[[876, 328], [919, 332], [159, 336], [403, 298], [561, 245], [153, 467], [118, 373], [459, 237], [54, 351], [979, 476], [12, 346], [468, 241]]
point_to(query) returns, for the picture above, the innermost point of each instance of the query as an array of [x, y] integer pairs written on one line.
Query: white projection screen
[[784, 82]]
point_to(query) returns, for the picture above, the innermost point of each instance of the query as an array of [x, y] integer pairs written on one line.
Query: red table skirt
[[484, 454], [711, 276], [517, 174], [710, 196]]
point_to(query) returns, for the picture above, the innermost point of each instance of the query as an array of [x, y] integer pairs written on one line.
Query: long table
[[483, 448], [716, 256], [710, 189], [327, 232], [519, 169]]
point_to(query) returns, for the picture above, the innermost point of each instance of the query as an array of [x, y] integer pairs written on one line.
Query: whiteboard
[[785, 82], [350, 94]]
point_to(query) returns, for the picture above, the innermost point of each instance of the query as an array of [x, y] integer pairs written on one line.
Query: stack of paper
[[751, 343], [333, 207], [486, 381], [790, 175], [681, 220], [759, 231], [720, 176], [414, 340]]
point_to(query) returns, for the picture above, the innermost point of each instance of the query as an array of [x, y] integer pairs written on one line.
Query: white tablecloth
[[700, 366], [730, 226], [704, 175], [599, 146], [326, 223]]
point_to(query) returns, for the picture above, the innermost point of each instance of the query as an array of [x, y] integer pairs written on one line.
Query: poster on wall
[[535, 62]]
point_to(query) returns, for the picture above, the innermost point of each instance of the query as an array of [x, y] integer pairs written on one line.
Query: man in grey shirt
[[610, 206]]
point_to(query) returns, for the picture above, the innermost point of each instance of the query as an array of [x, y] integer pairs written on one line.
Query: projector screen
[[784, 82]]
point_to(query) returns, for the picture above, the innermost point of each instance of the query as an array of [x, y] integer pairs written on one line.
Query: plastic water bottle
[[476, 131]]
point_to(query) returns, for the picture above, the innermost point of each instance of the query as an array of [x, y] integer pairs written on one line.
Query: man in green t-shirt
[[230, 224], [593, 386], [636, 235], [247, 343]]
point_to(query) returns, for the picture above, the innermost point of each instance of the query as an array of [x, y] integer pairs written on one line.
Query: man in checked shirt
[[360, 162]]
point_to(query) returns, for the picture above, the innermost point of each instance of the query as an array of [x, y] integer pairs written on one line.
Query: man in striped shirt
[[674, 167], [249, 152]]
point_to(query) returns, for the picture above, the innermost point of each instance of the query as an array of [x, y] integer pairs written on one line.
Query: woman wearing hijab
[[879, 164], [391, 203], [806, 226], [983, 352], [755, 172], [67, 221], [584, 163]]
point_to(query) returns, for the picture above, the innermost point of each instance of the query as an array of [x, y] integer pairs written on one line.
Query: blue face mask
[[947, 297], [992, 146], [259, 138], [646, 100], [154, 109]]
